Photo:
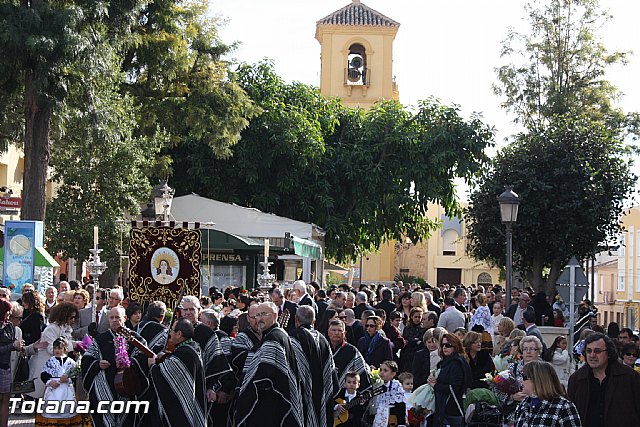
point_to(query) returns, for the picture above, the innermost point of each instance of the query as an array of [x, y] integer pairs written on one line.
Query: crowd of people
[[304, 356]]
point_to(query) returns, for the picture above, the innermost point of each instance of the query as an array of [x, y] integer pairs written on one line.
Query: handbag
[[454, 420], [22, 368], [21, 383]]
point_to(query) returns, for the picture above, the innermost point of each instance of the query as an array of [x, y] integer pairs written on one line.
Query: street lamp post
[[162, 198], [509, 214]]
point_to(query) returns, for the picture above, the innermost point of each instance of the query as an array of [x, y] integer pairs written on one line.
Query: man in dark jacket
[[283, 306], [386, 303], [605, 391], [516, 311], [361, 305]]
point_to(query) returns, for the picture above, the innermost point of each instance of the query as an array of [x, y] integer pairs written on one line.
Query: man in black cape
[[270, 394], [220, 410], [155, 333], [178, 381], [346, 357], [319, 383], [246, 340], [151, 327], [220, 381], [99, 371]]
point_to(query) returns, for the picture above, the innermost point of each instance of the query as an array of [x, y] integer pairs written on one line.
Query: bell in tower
[[356, 71]]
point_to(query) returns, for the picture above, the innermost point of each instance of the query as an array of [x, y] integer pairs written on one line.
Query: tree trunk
[[554, 272], [36, 152], [537, 282]]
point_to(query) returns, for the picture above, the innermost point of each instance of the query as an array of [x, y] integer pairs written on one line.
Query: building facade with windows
[[618, 276]]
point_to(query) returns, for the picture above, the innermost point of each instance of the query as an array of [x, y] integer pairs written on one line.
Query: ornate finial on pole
[[96, 268], [265, 280]]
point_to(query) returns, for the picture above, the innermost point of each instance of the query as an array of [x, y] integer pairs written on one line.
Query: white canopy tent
[[251, 222]]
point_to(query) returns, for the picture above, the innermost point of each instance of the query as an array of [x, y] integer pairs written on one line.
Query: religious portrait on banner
[[165, 266], [164, 263]]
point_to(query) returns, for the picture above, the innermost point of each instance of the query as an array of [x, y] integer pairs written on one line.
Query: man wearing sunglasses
[[86, 318], [605, 391], [269, 394]]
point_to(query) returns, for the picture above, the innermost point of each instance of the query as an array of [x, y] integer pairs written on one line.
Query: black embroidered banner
[[163, 261]]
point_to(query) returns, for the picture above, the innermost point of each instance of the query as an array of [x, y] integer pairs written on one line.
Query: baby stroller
[[486, 415], [483, 409]]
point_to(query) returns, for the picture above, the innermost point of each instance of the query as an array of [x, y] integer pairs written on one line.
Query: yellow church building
[[357, 66]]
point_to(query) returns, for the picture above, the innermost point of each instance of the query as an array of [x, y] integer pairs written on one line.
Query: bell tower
[[357, 55]]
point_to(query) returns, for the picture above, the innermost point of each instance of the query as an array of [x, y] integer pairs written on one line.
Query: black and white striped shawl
[[347, 358], [99, 383], [319, 382], [180, 388], [213, 357], [270, 391]]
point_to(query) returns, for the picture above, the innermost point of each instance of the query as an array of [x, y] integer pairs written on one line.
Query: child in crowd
[[59, 387], [406, 379], [348, 393], [390, 404], [395, 318], [460, 333]]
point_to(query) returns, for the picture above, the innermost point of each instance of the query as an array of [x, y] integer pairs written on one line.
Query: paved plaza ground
[[20, 420]]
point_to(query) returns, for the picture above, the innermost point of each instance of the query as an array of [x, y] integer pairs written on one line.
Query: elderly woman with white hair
[[531, 349]]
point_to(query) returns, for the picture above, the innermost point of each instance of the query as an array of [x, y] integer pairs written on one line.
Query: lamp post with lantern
[[162, 199], [509, 202]]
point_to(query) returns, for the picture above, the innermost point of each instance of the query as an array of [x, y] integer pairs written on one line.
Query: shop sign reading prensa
[[164, 261]]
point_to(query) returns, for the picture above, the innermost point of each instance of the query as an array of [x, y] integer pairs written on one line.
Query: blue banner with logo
[[20, 241]]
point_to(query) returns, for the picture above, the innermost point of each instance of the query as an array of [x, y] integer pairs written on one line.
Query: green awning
[[306, 248], [42, 258]]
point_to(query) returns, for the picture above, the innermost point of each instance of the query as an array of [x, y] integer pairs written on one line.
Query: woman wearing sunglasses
[[451, 383], [545, 404], [629, 354], [375, 347]]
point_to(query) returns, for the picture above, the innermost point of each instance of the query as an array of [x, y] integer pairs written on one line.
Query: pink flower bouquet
[[122, 355], [503, 382]]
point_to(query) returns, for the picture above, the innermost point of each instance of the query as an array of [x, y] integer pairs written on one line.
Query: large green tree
[[175, 73], [169, 53], [363, 176], [559, 66], [39, 41], [101, 168], [572, 179], [571, 163]]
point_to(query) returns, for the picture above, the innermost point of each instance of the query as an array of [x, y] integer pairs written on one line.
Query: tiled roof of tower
[[357, 13]]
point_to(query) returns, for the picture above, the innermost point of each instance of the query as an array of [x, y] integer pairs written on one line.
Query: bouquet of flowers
[[581, 361], [503, 382], [423, 400], [83, 345], [76, 371], [122, 355], [502, 361], [375, 378], [417, 416]]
